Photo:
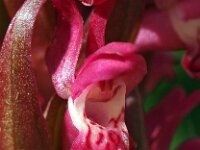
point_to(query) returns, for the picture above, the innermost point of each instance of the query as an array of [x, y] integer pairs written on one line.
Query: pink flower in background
[[173, 25], [185, 19]]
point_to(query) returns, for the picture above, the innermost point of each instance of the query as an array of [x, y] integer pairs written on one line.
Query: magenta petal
[[111, 61], [155, 31], [63, 53], [192, 144], [189, 33], [97, 25]]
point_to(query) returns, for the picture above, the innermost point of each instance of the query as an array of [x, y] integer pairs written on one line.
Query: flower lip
[[102, 118]]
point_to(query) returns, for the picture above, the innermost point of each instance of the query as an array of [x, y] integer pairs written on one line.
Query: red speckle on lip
[[116, 121], [113, 137], [88, 144], [100, 138], [107, 146]]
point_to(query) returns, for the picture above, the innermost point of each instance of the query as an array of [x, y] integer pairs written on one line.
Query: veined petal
[[115, 60], [99, 125], [63, 53]]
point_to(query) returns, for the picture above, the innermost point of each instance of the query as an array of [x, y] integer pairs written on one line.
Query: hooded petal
[[63, 53], [115, 60]]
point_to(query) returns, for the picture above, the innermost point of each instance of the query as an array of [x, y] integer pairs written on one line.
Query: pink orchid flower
[[180, 21], [108, 74], [185, 18], [95, 114]]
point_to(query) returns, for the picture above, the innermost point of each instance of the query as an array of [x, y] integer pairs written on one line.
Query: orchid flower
[[154, 33], [95, 114], [185, 15], [102, 79], [181, 22]]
